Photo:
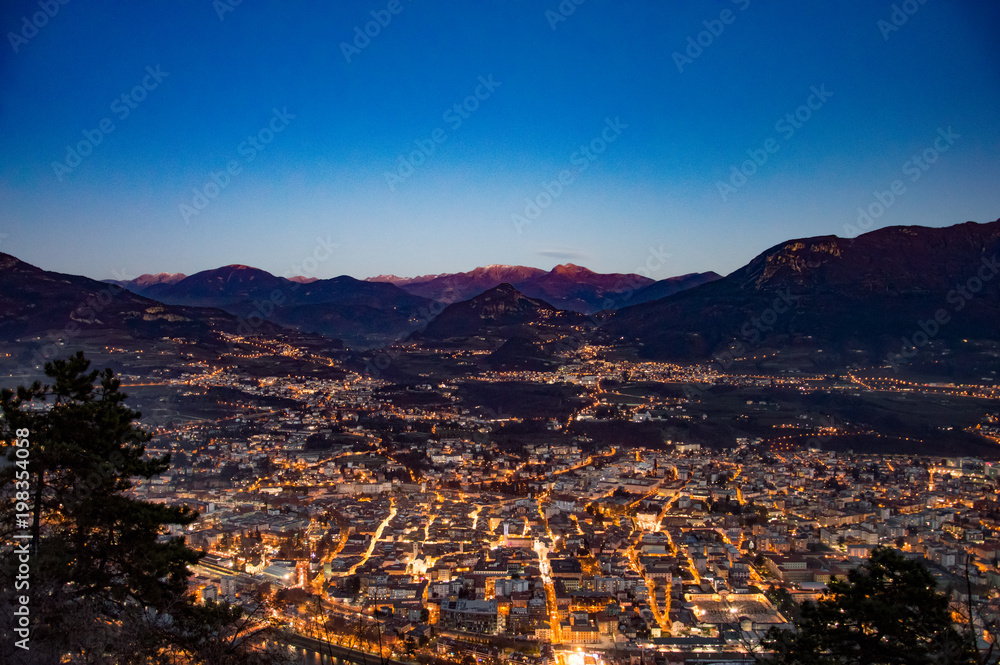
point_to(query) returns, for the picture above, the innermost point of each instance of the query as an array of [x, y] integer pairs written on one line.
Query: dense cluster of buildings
[[462, 548]]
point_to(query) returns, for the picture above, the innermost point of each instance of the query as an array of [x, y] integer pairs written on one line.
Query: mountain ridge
[[566, 286], [502, 311], [359, 312], [865, 296], [38, 304]]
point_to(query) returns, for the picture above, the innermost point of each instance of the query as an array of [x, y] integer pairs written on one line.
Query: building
[[477, 616]]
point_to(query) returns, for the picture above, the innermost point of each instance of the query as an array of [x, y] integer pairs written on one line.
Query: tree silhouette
[[106, 586], [887, 611]]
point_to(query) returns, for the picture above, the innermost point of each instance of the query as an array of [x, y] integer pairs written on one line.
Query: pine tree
[[96, 551], [886, 612], [105, 586]]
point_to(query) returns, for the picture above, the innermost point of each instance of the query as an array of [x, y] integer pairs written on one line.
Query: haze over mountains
[[376, 311], [566, 286], [884, 294], [357, 312], [147, 280]]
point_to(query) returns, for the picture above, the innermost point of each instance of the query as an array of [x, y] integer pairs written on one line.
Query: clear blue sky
[[324, 174]]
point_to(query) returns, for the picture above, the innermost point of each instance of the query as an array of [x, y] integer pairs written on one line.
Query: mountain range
[[355, 311], [42, 307], [501, 313], [566, 286], [373, 312], [894, 293], [880, 296]]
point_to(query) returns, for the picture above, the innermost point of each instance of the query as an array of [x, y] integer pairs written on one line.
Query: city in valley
[[475, 333], [595, 511]]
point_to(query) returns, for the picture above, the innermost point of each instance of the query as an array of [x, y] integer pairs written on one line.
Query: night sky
[[180, 136]]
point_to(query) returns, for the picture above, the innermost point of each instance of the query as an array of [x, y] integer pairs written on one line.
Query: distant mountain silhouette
[[578, 289], [38, 305], [501, 312], [220, 286], [359, 312], [857, 298], [668, 287], [146, 280], [566, 286], [455, 287]]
